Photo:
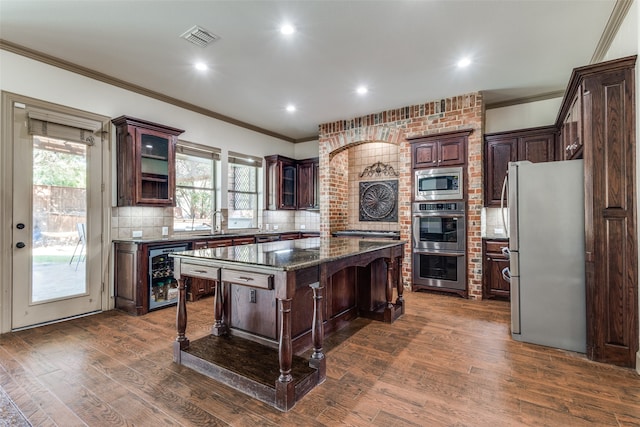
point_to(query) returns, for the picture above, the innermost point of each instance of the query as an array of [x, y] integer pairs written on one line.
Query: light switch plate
[[136, 233], [165, 231]]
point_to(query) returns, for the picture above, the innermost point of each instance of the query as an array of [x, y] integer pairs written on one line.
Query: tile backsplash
[[492, 225], [150, 220]]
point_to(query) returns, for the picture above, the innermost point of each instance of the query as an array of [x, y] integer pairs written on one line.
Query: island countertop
[[289, 254]]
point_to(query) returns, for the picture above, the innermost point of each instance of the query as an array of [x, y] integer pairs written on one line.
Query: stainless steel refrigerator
[[546, 243]]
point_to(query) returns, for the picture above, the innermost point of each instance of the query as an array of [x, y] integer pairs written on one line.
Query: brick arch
[[352, 137]]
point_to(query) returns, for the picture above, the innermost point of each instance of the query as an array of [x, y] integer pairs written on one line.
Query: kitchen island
[[275, 300]]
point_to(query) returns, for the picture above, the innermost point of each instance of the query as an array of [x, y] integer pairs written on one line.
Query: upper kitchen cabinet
[[439, 150], [308, 190], [292, 184], [281, 183], [535, 145], [145, 154], [571, 139]]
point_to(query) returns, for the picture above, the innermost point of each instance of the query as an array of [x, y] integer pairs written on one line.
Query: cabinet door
[[451, 152], [498, 154], [155, 184], [308, 184], [281, 185], [425, 154], [537, 148], [494, 284], [610, 218]]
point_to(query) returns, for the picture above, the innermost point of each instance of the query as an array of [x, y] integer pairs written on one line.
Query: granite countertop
[[192, 237], [289, 254], [495, 237]]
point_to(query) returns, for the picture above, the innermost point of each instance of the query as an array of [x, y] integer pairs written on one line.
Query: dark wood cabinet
[[498, 154], [292, 184], [607, 116], [282, 174], [494, 261], [535, 145], [439, 150], [145, 154], [308, 189], [571, 130]]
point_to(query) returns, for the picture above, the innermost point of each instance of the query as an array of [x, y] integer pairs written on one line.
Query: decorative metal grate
[[379, 201], [379, 169]]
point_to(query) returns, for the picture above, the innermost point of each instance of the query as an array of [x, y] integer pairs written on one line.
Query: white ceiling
[[404, 51]]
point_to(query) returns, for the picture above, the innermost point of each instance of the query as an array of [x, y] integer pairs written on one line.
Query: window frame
[[205, 152], [252, 162]]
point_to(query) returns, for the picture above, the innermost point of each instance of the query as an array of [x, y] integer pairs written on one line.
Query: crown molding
[[618, 14], [87, 72]]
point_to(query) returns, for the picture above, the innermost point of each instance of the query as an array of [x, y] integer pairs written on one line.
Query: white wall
[[523, 116], [27, 77], [306, 150]]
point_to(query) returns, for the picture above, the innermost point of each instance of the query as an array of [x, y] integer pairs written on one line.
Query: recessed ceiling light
[[464, 62], [287, 29], [361, 90], [201, 66], [291, 108]]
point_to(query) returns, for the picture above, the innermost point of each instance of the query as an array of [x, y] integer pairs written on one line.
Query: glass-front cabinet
[[146, 162], [281, 182]]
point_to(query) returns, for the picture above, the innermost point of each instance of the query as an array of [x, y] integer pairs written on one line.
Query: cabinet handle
[[244, 278], [200, 271]]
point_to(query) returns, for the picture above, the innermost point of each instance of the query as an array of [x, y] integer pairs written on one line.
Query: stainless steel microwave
[[439, 184]]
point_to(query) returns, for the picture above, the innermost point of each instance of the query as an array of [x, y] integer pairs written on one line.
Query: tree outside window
[[195, 188]]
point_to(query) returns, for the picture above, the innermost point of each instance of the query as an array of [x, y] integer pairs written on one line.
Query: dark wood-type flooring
[[447, 361]]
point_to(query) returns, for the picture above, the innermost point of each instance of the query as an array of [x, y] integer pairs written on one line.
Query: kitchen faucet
[[218, 229]]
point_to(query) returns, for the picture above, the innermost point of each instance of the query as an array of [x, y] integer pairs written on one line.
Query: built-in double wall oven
[[439, 246]]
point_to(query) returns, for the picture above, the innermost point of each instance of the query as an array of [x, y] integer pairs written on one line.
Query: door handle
[[20, 226], [20, 245]]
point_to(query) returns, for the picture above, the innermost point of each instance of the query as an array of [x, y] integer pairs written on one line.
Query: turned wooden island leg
[[182, 342], [218, 328], [285, 388], [318, 360], [390, 281], [398, 279]]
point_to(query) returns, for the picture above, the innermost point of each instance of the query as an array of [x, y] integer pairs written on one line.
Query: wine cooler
[[163, 287]]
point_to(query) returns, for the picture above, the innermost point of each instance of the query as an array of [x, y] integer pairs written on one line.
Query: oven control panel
[[447, 206]]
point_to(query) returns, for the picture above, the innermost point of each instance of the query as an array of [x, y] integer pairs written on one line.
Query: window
[[196, 184], [245, 173]]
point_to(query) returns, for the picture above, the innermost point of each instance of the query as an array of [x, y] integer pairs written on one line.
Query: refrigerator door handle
[[502, 202], [506, 275]]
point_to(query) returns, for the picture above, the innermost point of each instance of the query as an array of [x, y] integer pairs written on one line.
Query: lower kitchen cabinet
[[494, 261]]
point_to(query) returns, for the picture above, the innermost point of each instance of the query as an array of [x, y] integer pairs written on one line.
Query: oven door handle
[[439, 215], [442, 253]]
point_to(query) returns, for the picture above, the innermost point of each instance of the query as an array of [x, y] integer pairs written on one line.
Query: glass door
[[56, 236]]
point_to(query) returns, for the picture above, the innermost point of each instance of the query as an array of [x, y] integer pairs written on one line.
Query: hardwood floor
[[447, 361]]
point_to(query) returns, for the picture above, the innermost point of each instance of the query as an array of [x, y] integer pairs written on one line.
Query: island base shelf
[[246, 373]]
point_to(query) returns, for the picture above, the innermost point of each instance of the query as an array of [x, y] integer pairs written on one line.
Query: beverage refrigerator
[[163, 287]]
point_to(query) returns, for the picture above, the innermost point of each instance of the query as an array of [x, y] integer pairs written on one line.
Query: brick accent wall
[[394, 127]]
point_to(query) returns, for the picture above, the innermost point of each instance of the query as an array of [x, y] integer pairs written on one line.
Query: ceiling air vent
[[199, 36]]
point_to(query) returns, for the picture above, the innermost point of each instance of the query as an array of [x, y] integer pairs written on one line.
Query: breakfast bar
[[273, 301]]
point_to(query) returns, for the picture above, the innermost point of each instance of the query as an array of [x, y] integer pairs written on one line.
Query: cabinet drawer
[[256, 280], [496, 246], [202, 271]]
